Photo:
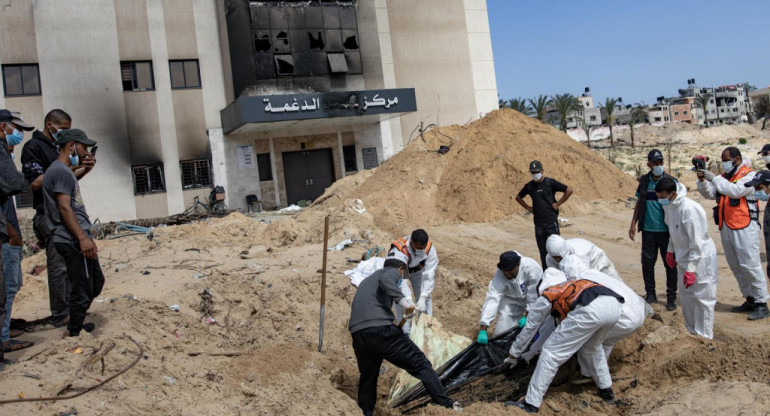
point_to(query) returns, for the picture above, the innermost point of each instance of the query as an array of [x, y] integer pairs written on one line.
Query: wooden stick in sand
[[323, 285]]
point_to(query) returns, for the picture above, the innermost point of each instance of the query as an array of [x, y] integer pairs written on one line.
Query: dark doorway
[[307, 174]]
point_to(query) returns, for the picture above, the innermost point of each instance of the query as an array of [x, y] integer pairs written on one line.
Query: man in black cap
[[648, 218], [545, 208], [511, 293], [66, 216], [11, 183], [12, 130], [761, 184]]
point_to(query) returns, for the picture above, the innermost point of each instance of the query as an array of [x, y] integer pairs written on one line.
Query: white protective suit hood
[[557, 246], [551, 277], [572, 266], [681, 193]]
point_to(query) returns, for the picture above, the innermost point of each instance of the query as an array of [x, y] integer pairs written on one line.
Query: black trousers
[[86, 282], [542, 232], [372, 345], [58, 283], [654, 244]]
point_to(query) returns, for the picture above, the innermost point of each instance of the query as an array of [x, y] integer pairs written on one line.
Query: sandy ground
[[266, 308]]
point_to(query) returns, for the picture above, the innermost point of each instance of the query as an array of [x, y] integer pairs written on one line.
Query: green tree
[[501, 103], [565, 104], [609, 108], [703, 102], [746, 89], [540, 105], [637, 114], [521, 105], [586, 129]]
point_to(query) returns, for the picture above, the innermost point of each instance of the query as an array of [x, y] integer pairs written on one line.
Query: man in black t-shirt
[[544, 207]]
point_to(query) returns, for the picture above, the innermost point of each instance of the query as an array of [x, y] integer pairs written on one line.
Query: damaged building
[[273, 100]]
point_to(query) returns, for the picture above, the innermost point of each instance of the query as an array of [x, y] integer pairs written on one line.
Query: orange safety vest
[[564, 296], [403, 246], [737, 213]]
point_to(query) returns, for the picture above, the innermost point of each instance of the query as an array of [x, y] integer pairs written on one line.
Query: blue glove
[[482, 338], [523, 322]]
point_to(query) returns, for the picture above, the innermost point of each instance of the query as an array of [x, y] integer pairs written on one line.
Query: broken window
[[337, 63], [137, 76], [148, 179], [351, 41], [195, 173], [317, 41], [284, 64], [262, 42], [281, 41]]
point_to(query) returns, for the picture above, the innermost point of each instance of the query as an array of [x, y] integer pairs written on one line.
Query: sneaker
[[61, 322], [760, 312], [456, 407], [523, 405], [89, 327], [671, 305], [651, 298], [747, 306], [579, 379], [607, 394]]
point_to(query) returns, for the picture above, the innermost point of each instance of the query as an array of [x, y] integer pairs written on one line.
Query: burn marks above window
[[295, 40]]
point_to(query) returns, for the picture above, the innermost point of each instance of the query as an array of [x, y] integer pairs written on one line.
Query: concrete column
[[482, 62], [210, 61], [342, 155], [166, 122], [218, 165], [275, 175]]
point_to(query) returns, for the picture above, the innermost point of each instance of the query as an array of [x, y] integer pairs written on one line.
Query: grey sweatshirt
[[373, 300]]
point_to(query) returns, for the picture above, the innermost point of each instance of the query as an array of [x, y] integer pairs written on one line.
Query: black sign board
[[370, 157], [309, 106]]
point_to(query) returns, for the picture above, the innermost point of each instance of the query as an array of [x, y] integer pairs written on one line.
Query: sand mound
[[476, 181]]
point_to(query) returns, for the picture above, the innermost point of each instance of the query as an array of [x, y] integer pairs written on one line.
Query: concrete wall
[[80, 73], [431, 53]]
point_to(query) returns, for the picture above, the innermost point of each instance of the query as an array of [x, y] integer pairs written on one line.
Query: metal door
[[307, 174]]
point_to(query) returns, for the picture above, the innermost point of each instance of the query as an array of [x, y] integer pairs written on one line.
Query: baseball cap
[[508, 261], [654, 155], [535, 166], [15, 118], [765, 149], [762, 177], [74, 135]]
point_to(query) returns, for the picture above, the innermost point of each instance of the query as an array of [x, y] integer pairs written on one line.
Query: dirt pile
[[475, 181], [689, 133]]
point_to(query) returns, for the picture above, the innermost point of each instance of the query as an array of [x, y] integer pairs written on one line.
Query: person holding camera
[[737, 215]]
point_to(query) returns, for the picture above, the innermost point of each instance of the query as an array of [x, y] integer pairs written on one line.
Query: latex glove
[[670, 260], [512, 361], [482, 338], [523, 321], [422, 305], [708, 175], [689, 279]]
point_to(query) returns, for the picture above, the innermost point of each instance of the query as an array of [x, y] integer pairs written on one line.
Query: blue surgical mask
[[658, 170], [14, 138], [762, 195], [398, 283], [74, 160], [664, 202], [13, 156]]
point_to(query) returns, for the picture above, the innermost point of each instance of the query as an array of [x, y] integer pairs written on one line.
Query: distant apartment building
[[683, 110], [659, 112], [588, 113]]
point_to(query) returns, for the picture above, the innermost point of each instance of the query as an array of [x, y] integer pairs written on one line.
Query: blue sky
[[637, 50]]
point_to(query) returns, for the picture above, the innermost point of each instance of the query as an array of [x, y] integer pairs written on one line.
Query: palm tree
[[637, 115], [501, 103], [703, 102], [540, 105], [521, 105], [586, 129], [609, 108], [565, 104]]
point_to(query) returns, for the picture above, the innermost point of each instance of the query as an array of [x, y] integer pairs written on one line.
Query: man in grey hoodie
[[377, 338]]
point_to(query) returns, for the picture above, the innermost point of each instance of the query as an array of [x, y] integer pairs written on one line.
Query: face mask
[[727, 166], [537, 176], [419, 252], [14, 138], [74, 160], [762, 195], [658, 170], [13, 156], [398, 283], [664, 202], [767, 158]]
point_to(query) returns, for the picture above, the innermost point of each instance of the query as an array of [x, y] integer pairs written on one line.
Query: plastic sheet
[[477, 374]]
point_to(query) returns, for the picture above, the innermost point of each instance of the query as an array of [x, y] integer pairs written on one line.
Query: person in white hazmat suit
[[632, 315], [423, 262], [587, 311], [511, 292], [738, 221], [590, 253], [693, 252]]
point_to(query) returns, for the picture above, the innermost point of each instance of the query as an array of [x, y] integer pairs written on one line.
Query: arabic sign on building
[[272, 108]]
